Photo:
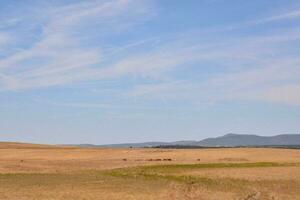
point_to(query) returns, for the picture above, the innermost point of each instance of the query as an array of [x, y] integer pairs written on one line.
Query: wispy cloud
[[4, 39], [9, 23], [254, 66], [249, 65], [285, 94], [293, 14], [59, 56]]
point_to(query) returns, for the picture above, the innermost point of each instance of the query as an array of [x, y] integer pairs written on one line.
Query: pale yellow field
[[50, 172]]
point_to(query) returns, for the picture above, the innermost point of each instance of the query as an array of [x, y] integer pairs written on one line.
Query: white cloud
[[10, 22], [59, 57], [285, 94], [294, 14], [4, 39], [8, 81], [259, 84], [253, 64]]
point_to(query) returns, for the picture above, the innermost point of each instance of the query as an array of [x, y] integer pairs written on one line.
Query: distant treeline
[[214, 147]]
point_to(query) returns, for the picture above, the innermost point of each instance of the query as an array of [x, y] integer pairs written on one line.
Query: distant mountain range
[[228, 140], [251, 140]]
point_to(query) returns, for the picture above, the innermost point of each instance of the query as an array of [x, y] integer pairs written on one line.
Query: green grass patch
[[219, 184], [149, 171], [168, 173], [220, 165]]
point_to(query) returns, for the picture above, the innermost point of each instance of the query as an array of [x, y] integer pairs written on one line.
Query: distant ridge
[[19, 145], [251, 140], [228, 140]]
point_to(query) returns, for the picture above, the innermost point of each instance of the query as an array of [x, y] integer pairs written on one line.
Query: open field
[[48, 172]]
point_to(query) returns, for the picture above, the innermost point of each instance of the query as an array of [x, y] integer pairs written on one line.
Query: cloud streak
[[294, 14], [59, 56], [253, 67]]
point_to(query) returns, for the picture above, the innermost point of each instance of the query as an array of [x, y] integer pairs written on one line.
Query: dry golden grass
[[63, 173]]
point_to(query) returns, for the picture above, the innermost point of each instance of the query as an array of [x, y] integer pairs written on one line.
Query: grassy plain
[[41, 172]]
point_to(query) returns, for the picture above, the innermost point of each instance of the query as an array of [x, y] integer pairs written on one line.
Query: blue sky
[[102, 72]]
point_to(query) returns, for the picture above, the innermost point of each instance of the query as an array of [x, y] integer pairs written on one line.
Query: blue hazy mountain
[[228, 140]]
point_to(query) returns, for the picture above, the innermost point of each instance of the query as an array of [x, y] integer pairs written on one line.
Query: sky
[[97, 71]]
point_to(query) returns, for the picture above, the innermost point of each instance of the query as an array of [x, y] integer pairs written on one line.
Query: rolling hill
[[228, 140]]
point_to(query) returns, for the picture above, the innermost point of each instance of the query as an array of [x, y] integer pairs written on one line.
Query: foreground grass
[[162, 171], [149, 182], [171, 173]]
